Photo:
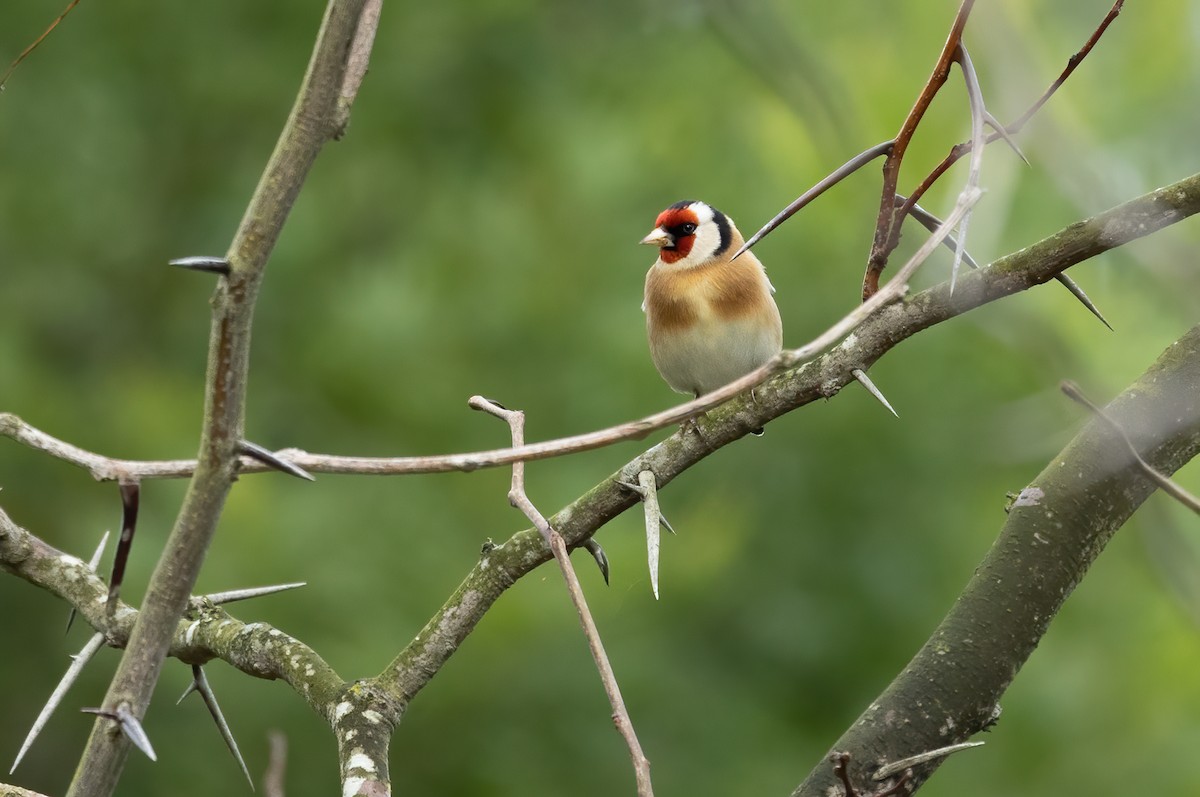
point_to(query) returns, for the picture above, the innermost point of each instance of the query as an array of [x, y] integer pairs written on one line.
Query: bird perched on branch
[[710, 319]]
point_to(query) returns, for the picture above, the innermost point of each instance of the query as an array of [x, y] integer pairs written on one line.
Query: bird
[[709, 318]]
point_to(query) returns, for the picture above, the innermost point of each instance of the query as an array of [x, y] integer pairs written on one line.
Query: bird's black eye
[[682, 230]]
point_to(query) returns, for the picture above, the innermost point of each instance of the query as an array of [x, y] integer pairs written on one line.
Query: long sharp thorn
[[255, 451], [129, 511], [252, 592], [211, 265], [931, 223], [1002, 131], [1078, 293], [895, 767], [131, 726], [649, 485], [92, 563], [593, 547], [845, 170], [78, 662], [866, 382], [200, 680], [666, 524]]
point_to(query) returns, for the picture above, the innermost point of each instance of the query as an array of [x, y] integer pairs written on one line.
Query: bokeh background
[[476, 232]]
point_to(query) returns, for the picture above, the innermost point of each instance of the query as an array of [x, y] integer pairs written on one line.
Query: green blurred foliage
[[475, 233]]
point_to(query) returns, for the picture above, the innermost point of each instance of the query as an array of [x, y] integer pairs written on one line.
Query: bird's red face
[[680, 224], [690, 233]]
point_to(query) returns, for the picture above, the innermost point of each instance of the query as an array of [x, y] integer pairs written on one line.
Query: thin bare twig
[[273, 778], [1072, 62], [842, 172], [26, 52], [520, 499], [1167, 485]]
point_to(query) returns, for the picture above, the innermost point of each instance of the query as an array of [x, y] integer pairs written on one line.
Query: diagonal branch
[[1055, 530], [312, 122], [13, 427], [1040, 263]]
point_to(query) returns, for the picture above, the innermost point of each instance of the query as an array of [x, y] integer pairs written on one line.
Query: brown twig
[[520, 499], [26, 52], [887, 218], [1072, 62], [1168, 486], [1011, 129]]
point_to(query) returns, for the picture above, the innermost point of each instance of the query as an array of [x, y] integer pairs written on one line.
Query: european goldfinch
[[710, 319]]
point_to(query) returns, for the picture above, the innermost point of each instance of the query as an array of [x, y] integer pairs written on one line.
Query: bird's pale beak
[[659, 237]]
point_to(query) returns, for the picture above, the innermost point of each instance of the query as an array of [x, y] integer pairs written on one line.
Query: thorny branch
[[309, 126], [883, 323], [105, 468], [819, 379]]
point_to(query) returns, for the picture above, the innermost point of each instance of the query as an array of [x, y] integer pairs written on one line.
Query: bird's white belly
[[713, 353]]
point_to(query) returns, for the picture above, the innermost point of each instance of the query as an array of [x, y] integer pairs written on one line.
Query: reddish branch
[[891, 166], [961, 149], [36, 42]]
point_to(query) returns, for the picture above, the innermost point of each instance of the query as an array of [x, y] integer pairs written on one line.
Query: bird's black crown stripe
[[722, 228]]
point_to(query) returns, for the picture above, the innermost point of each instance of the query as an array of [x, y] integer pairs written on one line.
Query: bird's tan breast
[[722, 291]]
